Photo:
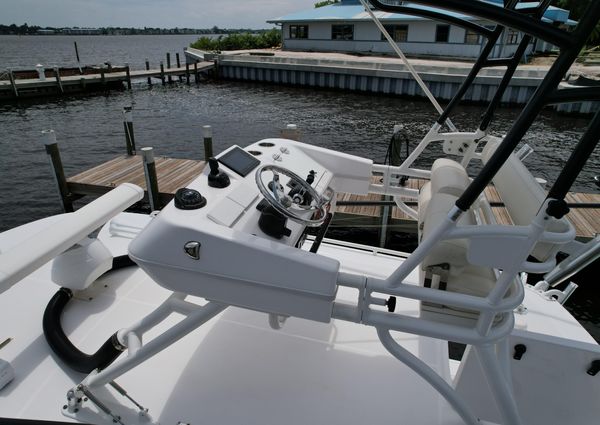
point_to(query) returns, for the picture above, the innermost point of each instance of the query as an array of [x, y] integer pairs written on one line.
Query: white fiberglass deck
[[236, 369]]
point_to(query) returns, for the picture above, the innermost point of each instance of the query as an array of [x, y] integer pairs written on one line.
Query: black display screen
[[240, 161]]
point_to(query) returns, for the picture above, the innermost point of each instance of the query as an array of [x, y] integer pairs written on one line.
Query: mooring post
[[128, 125], [178, 65], [102, 77], [128, 75], [162, 72], [148, 69], [290, 132], [151, 178], [11, 77], [196, 72], [169, 66], [51, 145], [208, 142], [187, 73], [58, 81]]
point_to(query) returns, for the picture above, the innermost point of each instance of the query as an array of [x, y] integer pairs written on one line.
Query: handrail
[[40, 248]]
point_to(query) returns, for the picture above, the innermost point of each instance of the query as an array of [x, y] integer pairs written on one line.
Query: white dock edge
[[34, 252]]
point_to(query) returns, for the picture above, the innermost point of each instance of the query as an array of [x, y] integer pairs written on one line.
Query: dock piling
[[148, 69], [187, 73], [58, 80], [102, 76], [11, 77], [151, 178], [128, 126], [128, 75], [162, 72], [291, 132], [51, 146], [169, 66], [178, 65], [208, 142], [196, 72]]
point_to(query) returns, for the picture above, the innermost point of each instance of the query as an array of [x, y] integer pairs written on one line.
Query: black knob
[[391, 304], [520, 349], [189, 199], [214, 166], [594, 368], [217, 178], [311, 177]]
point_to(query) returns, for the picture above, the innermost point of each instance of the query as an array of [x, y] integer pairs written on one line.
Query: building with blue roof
[[347, 27]]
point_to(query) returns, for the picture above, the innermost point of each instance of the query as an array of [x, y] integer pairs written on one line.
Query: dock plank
[[172, 174]]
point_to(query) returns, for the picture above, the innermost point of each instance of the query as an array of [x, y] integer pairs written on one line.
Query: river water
[[170, 119]]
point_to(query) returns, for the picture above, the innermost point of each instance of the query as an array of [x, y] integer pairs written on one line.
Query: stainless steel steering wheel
[[293, 207]]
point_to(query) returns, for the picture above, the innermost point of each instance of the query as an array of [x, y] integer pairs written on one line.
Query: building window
[[342, 32], [442, 33], [298, 31], [512, 37], [471, 37], [399, 33]]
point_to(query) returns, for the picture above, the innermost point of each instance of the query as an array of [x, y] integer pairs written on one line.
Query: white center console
[[208, 241]]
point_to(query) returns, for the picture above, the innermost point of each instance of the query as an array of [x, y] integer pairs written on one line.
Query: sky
[[150, 13]]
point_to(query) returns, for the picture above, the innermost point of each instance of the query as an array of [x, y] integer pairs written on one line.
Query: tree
[[325, 3], [576, 10]]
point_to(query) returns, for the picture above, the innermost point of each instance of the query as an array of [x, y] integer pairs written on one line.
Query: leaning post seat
[[446, 266], [523, 196]]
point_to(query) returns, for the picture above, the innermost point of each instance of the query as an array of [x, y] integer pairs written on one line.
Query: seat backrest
[[522, 196]]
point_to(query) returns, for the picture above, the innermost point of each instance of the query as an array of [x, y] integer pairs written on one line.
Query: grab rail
[[37, 250]]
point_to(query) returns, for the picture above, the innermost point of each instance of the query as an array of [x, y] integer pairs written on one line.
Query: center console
[[212, 241]]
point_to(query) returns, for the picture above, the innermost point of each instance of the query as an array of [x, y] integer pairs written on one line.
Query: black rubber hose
[[60, 343]]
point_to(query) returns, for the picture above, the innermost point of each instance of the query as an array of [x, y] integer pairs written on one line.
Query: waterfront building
[[346, 27]]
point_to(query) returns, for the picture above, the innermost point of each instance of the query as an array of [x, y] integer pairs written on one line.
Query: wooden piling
[[196, 72], [162, 72], [13, 84], [102, 76], [151, 178], [76, 51], [187, 73], [59, 173], [58, 80], [148, 69], [128, 126], [208, 142], [128, 76], [178, 65], [169, 66]]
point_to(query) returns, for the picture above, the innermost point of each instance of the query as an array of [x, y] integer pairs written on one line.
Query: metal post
[[151, 178], [51, 145], [128, 75], [128, 126], [208, 142], [169, 66], [162, 72], [148, 69]]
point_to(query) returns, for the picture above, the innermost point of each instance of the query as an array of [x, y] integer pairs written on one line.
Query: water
[[170, 119]]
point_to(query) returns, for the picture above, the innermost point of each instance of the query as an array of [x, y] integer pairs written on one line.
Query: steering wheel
[[306, 199]]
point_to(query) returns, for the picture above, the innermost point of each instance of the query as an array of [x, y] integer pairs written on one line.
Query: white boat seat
[[522, 196], [446, 266]]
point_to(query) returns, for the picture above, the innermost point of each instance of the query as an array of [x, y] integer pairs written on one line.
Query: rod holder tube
[[208, 142]]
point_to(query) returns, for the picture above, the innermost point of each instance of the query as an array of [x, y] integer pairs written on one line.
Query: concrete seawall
[[380, 76]]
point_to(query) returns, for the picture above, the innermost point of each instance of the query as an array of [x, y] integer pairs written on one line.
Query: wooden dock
[[585, 220], [103, 79], [172, 174]]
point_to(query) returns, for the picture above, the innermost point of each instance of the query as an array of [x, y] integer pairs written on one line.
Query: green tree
[[325, 3]]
